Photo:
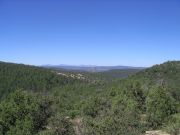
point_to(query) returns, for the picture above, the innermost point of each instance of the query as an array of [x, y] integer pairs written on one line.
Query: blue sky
[[90, 32]]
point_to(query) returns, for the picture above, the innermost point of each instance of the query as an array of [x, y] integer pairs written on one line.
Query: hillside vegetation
[[117, 102], [18, 76], [166, 75]]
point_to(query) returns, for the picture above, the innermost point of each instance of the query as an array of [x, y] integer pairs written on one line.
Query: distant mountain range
[[90, 68]]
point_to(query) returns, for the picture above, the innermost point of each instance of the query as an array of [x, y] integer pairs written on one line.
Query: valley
[[48, 101]]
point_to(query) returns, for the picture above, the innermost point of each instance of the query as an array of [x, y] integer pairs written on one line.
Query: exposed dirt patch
[[156, 132]]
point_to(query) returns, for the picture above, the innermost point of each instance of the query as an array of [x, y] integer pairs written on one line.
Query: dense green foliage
[[100, 104], [173, 124], [160, 105], [16, 76], [23, 113], [166, 75]]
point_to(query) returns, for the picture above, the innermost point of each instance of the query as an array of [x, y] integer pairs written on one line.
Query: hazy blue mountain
[[90, 68]]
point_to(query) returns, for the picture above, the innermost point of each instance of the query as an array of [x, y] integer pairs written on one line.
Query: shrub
[[24, 113], [160, 105], [173, 125]]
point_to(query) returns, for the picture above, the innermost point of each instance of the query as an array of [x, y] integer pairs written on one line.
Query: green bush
[[92, 107], [114, 124], [59, 125], [24, 113], [160, 105], [173, 125]]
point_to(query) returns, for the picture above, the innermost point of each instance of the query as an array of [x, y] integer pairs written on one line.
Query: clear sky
[[90, 32]]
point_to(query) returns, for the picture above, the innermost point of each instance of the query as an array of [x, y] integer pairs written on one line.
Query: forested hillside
[[146, 100], [101, 77], [166, 75], [18, 76]]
